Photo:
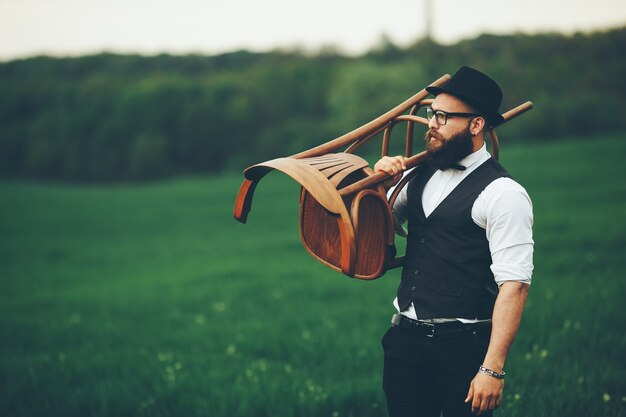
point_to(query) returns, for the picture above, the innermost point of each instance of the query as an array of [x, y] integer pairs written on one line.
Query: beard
[[451, 151]]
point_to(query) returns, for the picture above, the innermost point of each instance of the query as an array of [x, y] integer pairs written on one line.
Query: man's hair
[[472, 109]]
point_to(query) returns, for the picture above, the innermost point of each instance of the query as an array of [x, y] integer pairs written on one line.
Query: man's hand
[[485, 393], [392, 165]]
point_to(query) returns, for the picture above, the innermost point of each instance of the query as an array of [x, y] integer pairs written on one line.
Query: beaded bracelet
[[498, 375]]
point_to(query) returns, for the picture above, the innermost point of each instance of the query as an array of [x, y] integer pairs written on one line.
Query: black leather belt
[[431, 329]]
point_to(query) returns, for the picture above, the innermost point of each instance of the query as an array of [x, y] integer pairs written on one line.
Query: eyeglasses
[[442, 117]]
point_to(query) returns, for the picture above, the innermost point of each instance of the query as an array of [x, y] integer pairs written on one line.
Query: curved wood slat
[[313, 180], [375, 124], [373, 226], [243, 204], [349, 164], [327, 237]]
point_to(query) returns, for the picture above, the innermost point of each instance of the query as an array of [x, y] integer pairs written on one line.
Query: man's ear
[[477, 124]]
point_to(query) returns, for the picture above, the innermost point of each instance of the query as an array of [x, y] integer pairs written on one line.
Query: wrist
[[495, 364]]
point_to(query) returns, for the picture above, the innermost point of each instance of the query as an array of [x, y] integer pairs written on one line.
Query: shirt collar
[[473, 158]]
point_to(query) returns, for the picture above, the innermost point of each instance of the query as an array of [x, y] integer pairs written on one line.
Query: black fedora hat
[[477, 90]]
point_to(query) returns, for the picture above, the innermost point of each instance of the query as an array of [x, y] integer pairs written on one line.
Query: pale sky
[[76, 27]]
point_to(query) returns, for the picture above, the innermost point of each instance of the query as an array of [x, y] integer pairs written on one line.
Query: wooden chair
[[345, 217]]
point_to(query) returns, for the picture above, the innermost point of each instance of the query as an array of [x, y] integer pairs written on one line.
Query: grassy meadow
[[151, 300]]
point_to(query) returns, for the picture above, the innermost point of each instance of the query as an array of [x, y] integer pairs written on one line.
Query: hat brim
[[494, 118]]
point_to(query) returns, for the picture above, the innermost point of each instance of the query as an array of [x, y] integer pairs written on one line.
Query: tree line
[[113, 117]]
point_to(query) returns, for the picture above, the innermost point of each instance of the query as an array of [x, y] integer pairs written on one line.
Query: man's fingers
[[476, 404], [495, 402], [395, 165], [482, 406], [402, 161], [396, 159], [488, 405], [391, 165]]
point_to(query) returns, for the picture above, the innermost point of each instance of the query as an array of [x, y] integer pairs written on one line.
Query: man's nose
[[433, 122]]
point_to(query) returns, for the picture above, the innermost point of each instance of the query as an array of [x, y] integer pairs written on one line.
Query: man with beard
[[468, 261]]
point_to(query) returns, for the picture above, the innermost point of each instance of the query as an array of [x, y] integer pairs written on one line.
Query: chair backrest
[[345, 216]]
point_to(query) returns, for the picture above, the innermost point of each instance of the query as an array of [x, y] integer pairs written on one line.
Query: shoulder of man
[[505, 194]]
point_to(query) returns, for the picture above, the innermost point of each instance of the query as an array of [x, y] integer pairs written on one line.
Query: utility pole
[[428, 20]]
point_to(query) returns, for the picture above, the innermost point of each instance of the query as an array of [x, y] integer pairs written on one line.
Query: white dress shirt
[[503, 209]]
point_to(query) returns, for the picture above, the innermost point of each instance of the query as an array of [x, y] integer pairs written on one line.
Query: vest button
[[423, 240], [412, 288], [417, 272]]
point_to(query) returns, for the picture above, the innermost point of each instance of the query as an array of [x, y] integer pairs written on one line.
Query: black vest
[[447, 266]]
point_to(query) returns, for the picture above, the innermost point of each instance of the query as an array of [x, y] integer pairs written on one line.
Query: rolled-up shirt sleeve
[[504, 210]]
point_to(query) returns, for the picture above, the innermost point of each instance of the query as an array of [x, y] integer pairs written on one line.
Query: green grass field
[[152, 300]]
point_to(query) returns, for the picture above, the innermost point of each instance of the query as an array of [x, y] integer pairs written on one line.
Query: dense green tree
[[128, 117]]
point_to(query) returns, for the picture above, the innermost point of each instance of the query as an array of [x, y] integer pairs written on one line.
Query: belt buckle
[[432, 329]]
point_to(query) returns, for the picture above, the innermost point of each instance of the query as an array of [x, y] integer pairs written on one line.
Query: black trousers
[[424, 376]]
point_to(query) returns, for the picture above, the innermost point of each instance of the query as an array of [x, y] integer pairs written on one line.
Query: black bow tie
[[458, 167]]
